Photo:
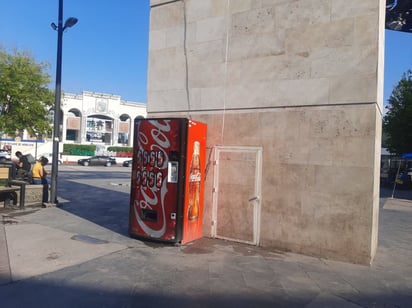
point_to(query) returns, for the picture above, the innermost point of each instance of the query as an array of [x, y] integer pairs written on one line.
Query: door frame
[[256, 199]]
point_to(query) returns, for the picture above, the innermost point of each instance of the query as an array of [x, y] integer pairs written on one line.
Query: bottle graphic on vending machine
[[194, 183]]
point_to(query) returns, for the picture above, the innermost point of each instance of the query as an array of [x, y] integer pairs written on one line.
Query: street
[[111, 184]]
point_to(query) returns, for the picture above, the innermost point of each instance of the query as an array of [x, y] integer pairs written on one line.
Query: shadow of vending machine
[[167, 185]]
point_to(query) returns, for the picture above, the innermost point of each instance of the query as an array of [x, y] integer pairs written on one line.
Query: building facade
[[292, 92], [98, 118]]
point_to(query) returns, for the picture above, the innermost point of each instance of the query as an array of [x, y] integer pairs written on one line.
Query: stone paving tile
[[5, 274], [209, 272]]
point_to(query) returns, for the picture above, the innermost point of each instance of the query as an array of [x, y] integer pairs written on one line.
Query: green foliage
[[120, 149], [397, 123], [79, 149], [24, 94]]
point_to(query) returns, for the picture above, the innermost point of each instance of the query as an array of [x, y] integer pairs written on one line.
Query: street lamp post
[[70, 22], [35, 150]]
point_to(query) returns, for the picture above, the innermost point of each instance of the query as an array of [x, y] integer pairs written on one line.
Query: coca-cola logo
[[153, 145]]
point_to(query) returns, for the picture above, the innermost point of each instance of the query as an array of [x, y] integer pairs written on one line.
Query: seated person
[[39, 176], [23, 166]]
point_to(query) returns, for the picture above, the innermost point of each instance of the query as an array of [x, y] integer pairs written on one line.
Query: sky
[[107, 50], [398, 59]]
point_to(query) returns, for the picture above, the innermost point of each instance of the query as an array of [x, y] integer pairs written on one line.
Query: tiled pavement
[[79, 255]]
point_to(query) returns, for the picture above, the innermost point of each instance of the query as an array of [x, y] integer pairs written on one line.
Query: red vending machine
[[168, 173]]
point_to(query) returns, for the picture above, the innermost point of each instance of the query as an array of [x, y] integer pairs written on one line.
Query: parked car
[[4, 155], [99, 160], [128, 163], [404, 178]]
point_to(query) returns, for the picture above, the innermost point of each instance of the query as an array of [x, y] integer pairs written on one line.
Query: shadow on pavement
[[386, 191], [42, 292], [105, 203]]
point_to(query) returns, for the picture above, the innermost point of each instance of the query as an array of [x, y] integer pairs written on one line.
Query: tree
[[25, 98], [397, 123]]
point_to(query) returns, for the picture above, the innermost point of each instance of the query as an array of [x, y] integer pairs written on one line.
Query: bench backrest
[[4, 173], [7, 172]]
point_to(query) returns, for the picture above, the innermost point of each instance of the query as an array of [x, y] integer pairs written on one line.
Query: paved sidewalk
[[59, 259], [5, 274]]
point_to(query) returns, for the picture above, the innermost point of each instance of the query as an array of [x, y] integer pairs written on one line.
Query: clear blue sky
[[398, 58], [107, 50]]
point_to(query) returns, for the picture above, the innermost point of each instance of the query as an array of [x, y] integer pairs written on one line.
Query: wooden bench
[[8, 192]]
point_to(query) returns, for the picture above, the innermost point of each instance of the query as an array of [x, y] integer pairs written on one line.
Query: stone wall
[[300, 79], [34, 194]]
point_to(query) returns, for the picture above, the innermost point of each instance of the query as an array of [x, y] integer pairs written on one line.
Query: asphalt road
[[93, 184], [388, 191]]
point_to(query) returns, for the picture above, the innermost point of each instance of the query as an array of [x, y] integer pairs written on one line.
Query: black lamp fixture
[[70, 22]]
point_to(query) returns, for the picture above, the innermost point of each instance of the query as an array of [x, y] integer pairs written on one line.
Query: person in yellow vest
[[39, 176]]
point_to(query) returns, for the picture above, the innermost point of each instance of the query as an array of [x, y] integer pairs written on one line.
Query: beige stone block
[[33, 196], [210, 98], [221, 8], [211, 29], [167, 70], [175, 36], [344, 9], [293, 14], [266, 68], [366, 31], [282, 124], [339, 121], [353, 180], [190, 35], [198, 10], [242, 6], [347, 60], [164, 101], [207, 52], [278, 93], [207, 75], [166, 16], [320, 151], [214, 128], [353, 89], [255, 45], [309, 38], [157, 39], [237, 134], [354, 151], [256, 21]]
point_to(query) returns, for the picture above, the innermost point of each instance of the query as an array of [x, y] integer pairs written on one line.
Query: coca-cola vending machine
[[168, 173]]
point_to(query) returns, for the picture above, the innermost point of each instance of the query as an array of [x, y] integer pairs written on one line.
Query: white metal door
[[236, 194]]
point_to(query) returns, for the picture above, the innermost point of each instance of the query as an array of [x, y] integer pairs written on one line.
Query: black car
[[128, 163], [97, 161]]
